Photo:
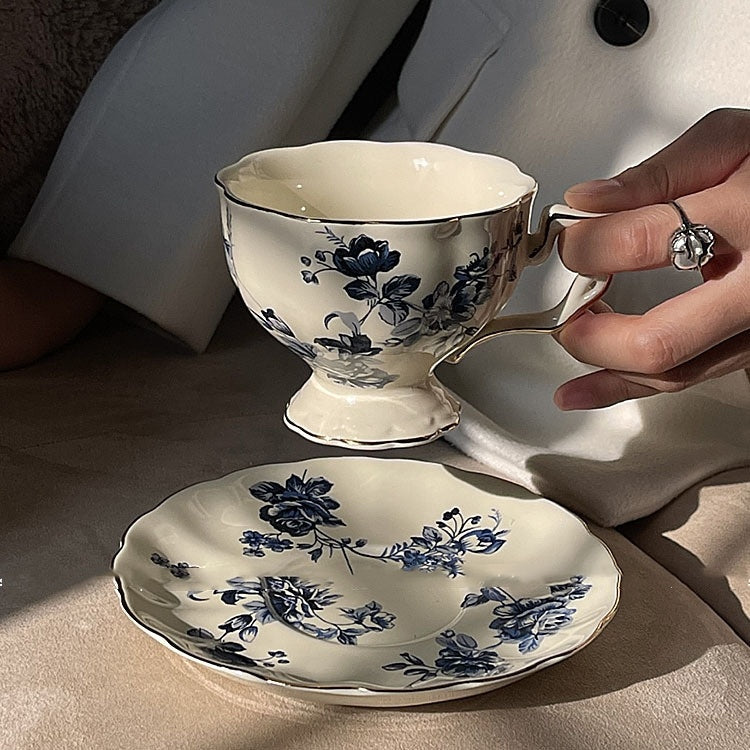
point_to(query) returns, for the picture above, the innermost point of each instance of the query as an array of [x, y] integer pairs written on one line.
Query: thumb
[[702, 157]]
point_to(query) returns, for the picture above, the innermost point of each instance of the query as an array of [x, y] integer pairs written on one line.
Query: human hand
[[695, 336]]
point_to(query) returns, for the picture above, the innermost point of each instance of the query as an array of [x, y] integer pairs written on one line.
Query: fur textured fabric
[[49, 52]]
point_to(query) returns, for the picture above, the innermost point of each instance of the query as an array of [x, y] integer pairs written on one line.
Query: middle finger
[[640, 239]]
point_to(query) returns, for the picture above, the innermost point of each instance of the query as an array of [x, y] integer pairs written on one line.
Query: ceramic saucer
[[366, 581]]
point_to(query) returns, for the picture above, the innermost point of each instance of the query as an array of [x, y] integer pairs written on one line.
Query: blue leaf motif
[[473, 600], [200, 633], [266, 491], [465, 641], [249, 633], [528, 644], [317, 486], [408, 327], [495, 594], [233, 647], [273, 322], [231, 596], [360, 290], [400, 286], [411, 658], [309, 277], [393, 312], [245, 624], [431, 534], [350, 320], [394, 666]]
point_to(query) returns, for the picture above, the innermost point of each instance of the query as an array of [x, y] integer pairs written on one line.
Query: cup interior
[[370, 181]]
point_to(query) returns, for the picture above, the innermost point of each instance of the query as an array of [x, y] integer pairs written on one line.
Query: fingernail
[[596, 187], [571, 399]]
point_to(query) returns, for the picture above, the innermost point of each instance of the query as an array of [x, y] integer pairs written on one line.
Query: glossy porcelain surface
[[366, 581], [373, 262]]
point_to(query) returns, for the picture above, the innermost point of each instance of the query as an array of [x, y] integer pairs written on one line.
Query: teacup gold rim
[[426, 221], [371, 444]]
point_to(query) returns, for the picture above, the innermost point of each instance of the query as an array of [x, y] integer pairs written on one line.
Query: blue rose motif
[[461, 657], [476, 270], [294, 600], [475, 278], [297, 507], [526, 621], [446, 307], [365, 256]]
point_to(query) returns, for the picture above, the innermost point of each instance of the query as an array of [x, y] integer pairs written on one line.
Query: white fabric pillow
[[129, 205]]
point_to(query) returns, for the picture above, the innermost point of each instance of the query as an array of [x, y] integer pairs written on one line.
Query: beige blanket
[[100, 432]]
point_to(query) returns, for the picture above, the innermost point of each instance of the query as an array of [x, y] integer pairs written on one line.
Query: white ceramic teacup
[[374, 262]]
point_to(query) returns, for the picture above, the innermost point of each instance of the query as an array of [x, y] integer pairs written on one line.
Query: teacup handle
[[582, 292]]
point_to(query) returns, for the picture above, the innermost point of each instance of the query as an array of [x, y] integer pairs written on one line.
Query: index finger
[[702, 157]]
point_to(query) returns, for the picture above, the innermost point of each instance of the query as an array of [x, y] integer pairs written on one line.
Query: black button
[[621, 22]]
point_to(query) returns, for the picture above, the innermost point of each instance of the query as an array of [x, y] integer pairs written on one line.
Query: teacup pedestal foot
[[371, 419]]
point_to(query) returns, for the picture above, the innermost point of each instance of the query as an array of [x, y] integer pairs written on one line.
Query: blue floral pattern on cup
[[303, 508], [280, 330], [354, 364], [349, 356], [229, 245], [442, 314]]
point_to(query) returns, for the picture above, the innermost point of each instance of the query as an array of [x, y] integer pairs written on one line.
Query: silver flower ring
[[692, 245]]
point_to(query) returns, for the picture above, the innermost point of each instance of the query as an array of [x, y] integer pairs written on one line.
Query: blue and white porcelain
[[373, 262], [366, 581]]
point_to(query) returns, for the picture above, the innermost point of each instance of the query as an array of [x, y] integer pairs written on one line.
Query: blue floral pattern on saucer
[[178, 570], [522, 621], [301, 507], [298, 603], [273, 574]]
